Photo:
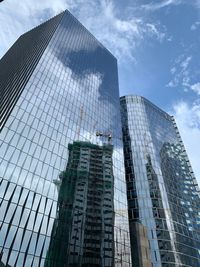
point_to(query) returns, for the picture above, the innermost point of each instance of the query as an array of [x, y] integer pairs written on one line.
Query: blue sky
[[156, 43]]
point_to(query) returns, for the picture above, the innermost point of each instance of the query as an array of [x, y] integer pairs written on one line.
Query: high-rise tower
[[59, 85], [163, 196]]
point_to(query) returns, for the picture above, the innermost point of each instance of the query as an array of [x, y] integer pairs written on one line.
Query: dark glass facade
[[163, 195], [19, 63], [62, 174]]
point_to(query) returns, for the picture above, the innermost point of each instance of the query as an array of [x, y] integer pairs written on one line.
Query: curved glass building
[[163, 196], [62, 180]]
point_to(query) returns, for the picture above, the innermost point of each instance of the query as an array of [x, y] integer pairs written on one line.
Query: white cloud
[[172, 83], [183, 75], [188, 120], [17, 17], [184, 64], [195, 26], [154, 30], [156, 6], [120, 35], [173, 70], [181, 72], [196, 88]]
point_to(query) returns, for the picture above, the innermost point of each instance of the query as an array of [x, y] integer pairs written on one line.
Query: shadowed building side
[[18, 64]]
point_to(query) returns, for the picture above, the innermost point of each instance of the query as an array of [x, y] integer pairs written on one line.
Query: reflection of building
[[58, 85], [2, 265], [83, 233], [140, 244], [162, 191], [184, 201]]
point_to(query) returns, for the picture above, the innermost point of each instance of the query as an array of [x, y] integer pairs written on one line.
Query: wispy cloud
[[184, 76], [154, 6], [197, 3], [195, 26], [17, 17], [185, 63], [119, 34], [196, 87], [160, 35], [180, 72]]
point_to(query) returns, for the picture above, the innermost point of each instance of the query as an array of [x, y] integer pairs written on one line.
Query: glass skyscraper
[[163, 196], [62, 181]]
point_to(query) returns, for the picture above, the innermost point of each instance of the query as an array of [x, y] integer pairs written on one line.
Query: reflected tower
[[60, 85], [163, 195], [83, 232]]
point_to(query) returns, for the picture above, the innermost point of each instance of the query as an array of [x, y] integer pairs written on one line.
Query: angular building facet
[[62, 181], [163, 196]]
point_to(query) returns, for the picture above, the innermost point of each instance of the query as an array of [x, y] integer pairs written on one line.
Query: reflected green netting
[[68, 210]]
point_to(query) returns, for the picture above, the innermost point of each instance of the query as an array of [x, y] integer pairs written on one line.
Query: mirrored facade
[[83, 232], [62, 181], [163, 195]]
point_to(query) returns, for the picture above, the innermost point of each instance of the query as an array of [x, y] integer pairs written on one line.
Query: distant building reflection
[[183, 199], [165, 241], [162, 190], [1, 263], [83, 233]]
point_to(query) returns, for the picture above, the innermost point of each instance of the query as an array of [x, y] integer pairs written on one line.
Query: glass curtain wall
[[70, 96], [163, 196]]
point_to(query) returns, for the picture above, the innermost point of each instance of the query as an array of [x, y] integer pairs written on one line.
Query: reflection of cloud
[[188, 121], [90, 85]]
